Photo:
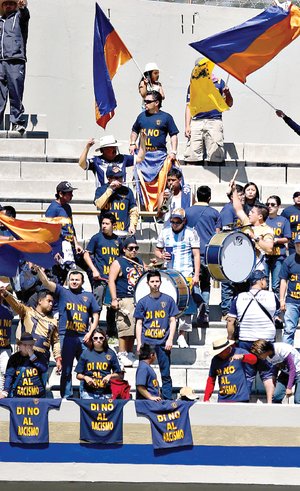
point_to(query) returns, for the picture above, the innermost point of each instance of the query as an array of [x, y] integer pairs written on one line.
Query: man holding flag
[[207, 98]]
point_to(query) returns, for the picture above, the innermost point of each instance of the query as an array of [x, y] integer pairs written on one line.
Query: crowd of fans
[[59, 309]]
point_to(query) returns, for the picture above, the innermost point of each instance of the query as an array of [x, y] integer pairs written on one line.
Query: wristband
[[131, 144], [174, 152], [114, 299]]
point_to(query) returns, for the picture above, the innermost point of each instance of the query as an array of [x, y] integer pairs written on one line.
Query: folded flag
[[109, 53], [244, 49], [204, 96], [41, 231]]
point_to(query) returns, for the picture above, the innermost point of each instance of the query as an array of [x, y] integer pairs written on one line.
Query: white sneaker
[[124, 360], [182, 342]]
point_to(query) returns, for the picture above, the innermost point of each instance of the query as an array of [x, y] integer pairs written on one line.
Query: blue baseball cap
[[256, 276], [114, 171]]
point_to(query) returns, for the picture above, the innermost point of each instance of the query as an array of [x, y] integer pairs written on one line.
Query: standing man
[[109, 155], [119, 200], [60, 209], [13, 38], [254, 311], [104, 247], [124, 274], [292, 213], [179, 245], [156, 325], [39, 322], [205, 129], [156, 125], [78, 317], [203, 218], [290, 293]]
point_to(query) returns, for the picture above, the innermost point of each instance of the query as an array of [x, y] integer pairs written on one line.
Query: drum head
[[237, 257]]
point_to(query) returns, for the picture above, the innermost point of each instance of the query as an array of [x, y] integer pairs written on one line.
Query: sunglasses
[[133, 248], [272, 204], [98, 337], [148, 101], [175, 222]]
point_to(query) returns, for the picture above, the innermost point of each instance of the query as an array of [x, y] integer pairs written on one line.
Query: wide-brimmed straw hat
[[221, 344]]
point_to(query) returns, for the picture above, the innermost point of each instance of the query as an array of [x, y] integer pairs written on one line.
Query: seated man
[[109, 154]]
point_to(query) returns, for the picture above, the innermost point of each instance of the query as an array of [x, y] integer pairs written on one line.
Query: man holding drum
[[179, 246]]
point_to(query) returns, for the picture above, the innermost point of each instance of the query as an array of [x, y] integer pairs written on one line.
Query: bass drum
[[230, 256], [172, 283]]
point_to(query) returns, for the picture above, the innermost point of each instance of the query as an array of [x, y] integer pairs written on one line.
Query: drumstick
[[234, 175]]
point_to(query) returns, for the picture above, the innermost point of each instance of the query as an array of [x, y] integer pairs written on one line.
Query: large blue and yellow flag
[[204, 96], [244, 49], [109, 53], [11, 253]]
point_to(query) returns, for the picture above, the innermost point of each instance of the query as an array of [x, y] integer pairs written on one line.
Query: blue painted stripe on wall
[[144, 454]]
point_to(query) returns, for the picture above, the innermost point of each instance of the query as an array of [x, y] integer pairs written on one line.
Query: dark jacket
[[13, 35]]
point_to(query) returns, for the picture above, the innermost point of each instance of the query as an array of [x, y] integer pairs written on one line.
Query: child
[[227, 365], [145, 380], [277, 353]]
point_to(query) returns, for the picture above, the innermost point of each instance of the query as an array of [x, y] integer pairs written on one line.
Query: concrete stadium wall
[[59, 70]]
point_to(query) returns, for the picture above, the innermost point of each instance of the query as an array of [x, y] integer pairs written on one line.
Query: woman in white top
[[150, 81]]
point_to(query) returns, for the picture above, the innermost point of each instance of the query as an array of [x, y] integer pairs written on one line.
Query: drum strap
[[243, 314]]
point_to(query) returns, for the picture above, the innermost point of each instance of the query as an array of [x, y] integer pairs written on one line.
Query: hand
[[288, 392], [187, 132], [58, 366], [280, 113], [89, 381], [282, 306], [167, 193], [225, 91], [195, 280], [2, 290], [29, 350], [79, 249], [155, 398], [3, 395], [115, 304], [106, 379], [131, 230], [132, 149], [115, 184], [166, 256], [90, 143], [87, 337], [58, 258], [22, 4], [172, 156], [138, 347], [96, 274], [169, 344]]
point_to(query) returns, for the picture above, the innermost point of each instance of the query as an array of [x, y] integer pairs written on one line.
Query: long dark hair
[[105, 343]]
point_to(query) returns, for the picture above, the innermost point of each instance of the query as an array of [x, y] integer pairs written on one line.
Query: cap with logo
[[64, 187], [114, 171]]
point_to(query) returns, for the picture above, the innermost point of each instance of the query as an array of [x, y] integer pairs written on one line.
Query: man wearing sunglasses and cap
[[13, 39], [109, 155], [60, 209], [292, 213]]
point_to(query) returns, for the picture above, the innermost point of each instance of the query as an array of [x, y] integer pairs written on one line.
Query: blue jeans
[[88, 395], [227, 292], [71, 347], [281, 386], [205, 284], [164, 363], [263, 367], [291, 318], [273, 266]]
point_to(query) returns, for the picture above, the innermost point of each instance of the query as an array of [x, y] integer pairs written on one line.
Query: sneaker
[[204, 320], [19, 128], [124, 360], [182, 342]]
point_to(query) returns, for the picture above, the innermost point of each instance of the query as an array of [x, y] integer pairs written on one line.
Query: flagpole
[[265, 100], [136, 64]]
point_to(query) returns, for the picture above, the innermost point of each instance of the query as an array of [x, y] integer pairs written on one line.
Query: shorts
[[124, 318]]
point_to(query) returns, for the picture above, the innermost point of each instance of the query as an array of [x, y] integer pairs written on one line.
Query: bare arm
[[145, 393], [237, 205], [188, 119], [114, 272], [174, 145], [230, 327], [143, 88], [266, 243], [169, 342], [133, 140], [227, 96], [282, 293], [93, 325], [133, 218], [142, 148], [196, 256], [138, 334], [50, 285], [89, 262], [83, 156]]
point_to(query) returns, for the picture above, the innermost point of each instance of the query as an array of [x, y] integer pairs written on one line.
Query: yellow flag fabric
[[204, 96], [30, 230]]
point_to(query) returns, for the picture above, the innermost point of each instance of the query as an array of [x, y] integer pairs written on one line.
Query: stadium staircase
[[32, 166]]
